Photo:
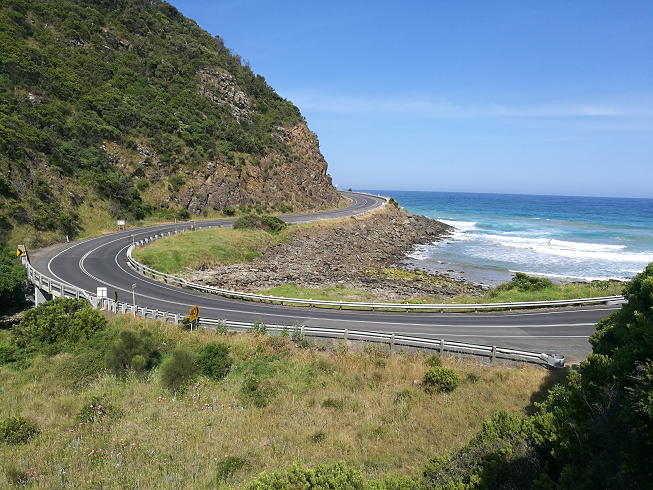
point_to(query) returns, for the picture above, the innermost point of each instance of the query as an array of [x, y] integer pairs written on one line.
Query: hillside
[[127, 109]]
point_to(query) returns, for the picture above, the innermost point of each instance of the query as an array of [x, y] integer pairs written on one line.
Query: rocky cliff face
[[302, 182]]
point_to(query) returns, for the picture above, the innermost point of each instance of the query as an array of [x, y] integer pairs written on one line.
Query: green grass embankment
[[214, 247]]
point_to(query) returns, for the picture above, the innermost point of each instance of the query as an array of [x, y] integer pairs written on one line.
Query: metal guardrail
[[169, 278], [59, 289], [63, 290]]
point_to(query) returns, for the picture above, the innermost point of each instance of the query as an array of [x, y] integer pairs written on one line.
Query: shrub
[[336, 477], [524, 282], [433, 361], [57, 321], [441, 379], [130, 346], [227, 467], [180, 368], [252, 388], [214, 360], [142, 185], [183, 214], [271, 224], [97, 410], [176, 181], [16, 430], [229, 211]]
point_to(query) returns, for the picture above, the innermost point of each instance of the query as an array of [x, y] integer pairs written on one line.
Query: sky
[[517, 97]]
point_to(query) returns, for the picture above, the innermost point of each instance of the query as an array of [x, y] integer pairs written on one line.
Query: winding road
[[102, 261]]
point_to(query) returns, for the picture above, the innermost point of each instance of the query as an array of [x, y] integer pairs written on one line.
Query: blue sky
[[519, 97]]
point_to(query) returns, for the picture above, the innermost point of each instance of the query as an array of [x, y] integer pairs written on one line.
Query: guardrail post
[[392, 342], [345, 333], [155, 314], [494, 353], [175, 319], [441, 347], [144, 312]]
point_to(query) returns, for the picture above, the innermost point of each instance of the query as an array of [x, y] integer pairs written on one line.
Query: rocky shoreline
[[366, 254]]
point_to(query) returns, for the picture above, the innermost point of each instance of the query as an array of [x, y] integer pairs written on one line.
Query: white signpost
[[121, 224]]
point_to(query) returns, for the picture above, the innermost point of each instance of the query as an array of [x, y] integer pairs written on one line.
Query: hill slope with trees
[[126, 108]]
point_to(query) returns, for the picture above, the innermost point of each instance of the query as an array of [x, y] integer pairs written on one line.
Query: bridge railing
[[64, 290]]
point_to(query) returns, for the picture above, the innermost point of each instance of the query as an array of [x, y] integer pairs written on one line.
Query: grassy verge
[[213, 247], [277, 404]]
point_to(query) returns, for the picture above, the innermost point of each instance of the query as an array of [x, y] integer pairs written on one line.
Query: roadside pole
[[134, 297]]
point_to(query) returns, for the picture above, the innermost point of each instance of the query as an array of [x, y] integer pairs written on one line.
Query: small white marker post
[[134, 297]]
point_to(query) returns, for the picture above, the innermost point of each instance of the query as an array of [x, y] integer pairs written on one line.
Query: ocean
[[562, 238]]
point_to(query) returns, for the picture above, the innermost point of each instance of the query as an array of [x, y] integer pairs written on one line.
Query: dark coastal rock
[[365, 254]]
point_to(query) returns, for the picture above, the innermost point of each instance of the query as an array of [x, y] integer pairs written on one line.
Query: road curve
[[102, 261]]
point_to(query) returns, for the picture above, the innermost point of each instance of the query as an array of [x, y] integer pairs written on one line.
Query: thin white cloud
[[369, 106]]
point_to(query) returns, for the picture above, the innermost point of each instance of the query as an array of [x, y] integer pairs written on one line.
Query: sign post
[[134, 297], [194, 316], [21, 253]]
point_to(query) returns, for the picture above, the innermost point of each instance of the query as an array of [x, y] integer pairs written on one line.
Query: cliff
[[124, 109]]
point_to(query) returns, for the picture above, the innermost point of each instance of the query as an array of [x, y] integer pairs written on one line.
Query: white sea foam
[[572, 277], [461, 225], [576, 250]]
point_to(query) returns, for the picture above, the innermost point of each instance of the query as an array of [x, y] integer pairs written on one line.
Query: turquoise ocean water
[[562, 238]]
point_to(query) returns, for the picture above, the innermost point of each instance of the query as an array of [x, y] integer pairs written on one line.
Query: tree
[[11, 272]]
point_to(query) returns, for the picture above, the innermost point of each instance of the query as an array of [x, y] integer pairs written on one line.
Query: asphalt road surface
[[102, 261]]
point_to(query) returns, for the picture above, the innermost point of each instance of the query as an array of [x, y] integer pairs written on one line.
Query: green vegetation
[[11, 274], [440, 379], [497, 427], [332, 293], [271, 224], [93, 94], [213, 247], [512, 291], [266, 406], [16, 430]]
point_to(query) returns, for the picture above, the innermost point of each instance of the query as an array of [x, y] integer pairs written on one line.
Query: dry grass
[[377, 418]]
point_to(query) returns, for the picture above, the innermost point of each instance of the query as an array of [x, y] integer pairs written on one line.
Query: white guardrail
[[179, 281], [62, 290]]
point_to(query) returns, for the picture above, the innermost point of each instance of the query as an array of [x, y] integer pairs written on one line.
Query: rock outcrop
[[364, 253]]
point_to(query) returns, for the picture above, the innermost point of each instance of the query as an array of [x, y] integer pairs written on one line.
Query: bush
[[183, 214], [334, 477], [271, 224], [16, 430], [229, 211], [440, 379], [227, 467], [176, 181], [434, 360], [59, 320], [11, 272], [142, 185], [129, 352], [178, 369], [97, 410], [214, 361], [524, 282]]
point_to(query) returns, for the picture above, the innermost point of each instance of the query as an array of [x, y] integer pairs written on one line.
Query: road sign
[[194, 313], [20, 252]]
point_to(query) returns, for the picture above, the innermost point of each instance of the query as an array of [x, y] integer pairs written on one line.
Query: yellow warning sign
[[194, 313], [20, 252]]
